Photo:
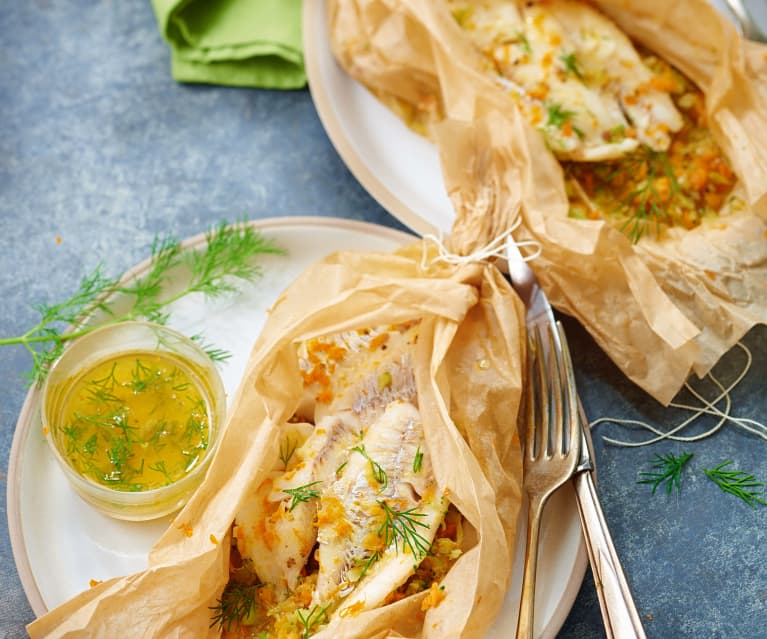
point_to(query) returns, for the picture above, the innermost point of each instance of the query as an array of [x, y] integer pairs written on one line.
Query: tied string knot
[[496, 248]]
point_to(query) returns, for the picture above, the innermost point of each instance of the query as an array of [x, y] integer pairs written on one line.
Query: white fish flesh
[[574, 75], [377, 521], [274, 527], [361, 393]]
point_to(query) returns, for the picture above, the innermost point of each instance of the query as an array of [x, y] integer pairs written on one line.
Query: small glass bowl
[[135, 338]]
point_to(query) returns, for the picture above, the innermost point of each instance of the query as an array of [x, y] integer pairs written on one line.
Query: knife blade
[[619, 612]]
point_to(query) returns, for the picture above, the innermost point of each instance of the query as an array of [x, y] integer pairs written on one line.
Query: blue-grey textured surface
[[100, 148]]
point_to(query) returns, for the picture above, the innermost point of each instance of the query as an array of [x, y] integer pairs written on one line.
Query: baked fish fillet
[[607, 56], [574, 75], [378, 519], [274, 527], [359, 371], [350, 379]]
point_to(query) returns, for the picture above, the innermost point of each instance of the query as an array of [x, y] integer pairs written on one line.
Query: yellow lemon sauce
[[136, 421]]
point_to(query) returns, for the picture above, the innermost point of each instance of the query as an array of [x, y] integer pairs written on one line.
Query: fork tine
[[532, 398], [542, 384], [557, 407], [567, 376]]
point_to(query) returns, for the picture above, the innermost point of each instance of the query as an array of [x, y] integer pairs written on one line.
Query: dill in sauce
[[134, 422]]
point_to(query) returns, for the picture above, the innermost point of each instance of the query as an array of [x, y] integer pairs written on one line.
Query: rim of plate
[[332, 125], [24, 421]]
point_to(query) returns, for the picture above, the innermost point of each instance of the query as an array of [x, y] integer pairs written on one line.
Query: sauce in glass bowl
[[133, 412]]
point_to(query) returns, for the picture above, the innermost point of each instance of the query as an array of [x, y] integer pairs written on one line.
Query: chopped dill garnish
[[557, 115], [301, 494], [378, 472], [523, 41], [312, 618], [645, 204], [159, 467], [118, 454], [140, 377], [616, 134], [237, 603], [287, 448], [738, 483], [418, 460], [341, 467], [89, 447], [227, 256], [570, 64], [367, 563], [108, 381], [401, 527], [668, 469], [101, 395]]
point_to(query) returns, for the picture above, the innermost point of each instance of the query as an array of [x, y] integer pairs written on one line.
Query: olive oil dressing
[[135, 421]]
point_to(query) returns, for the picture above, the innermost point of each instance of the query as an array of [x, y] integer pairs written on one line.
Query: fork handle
[[527, 600], [619, 612]]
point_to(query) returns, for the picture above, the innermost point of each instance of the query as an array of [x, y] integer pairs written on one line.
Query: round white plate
[[398, 167], [60, 543]]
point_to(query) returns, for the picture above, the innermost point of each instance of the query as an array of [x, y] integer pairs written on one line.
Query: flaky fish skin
[[602, 47], [390, 466], [591, 110], [369, 370], [573, 74], [362, 372], [275, 531]]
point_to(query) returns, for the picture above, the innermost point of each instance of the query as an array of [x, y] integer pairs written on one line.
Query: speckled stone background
[[100, 148]]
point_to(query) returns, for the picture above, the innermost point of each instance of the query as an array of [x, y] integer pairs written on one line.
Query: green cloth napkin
[[254, 43]]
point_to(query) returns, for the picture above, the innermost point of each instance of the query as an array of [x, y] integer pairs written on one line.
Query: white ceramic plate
[[60, 543], [396, 166]]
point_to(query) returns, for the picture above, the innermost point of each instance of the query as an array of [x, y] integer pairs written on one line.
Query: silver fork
[[552, 441], [619, 612]]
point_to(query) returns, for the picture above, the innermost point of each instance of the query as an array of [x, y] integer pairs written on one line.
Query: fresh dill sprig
[[557, 115], [341, 467], [401, 527], [287, 449], [312, 618], [668, 469], [140, 377], [227, 256], [237, 603], [166, 254], [159, 467], [645, 205], [218, 355], [418, 460], [379, 474], [86, 300], [570, 64], [738, 483], [523, 41], [367, 563], [301, 494]]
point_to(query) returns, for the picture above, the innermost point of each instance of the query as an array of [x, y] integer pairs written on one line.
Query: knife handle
[[619, 612]]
